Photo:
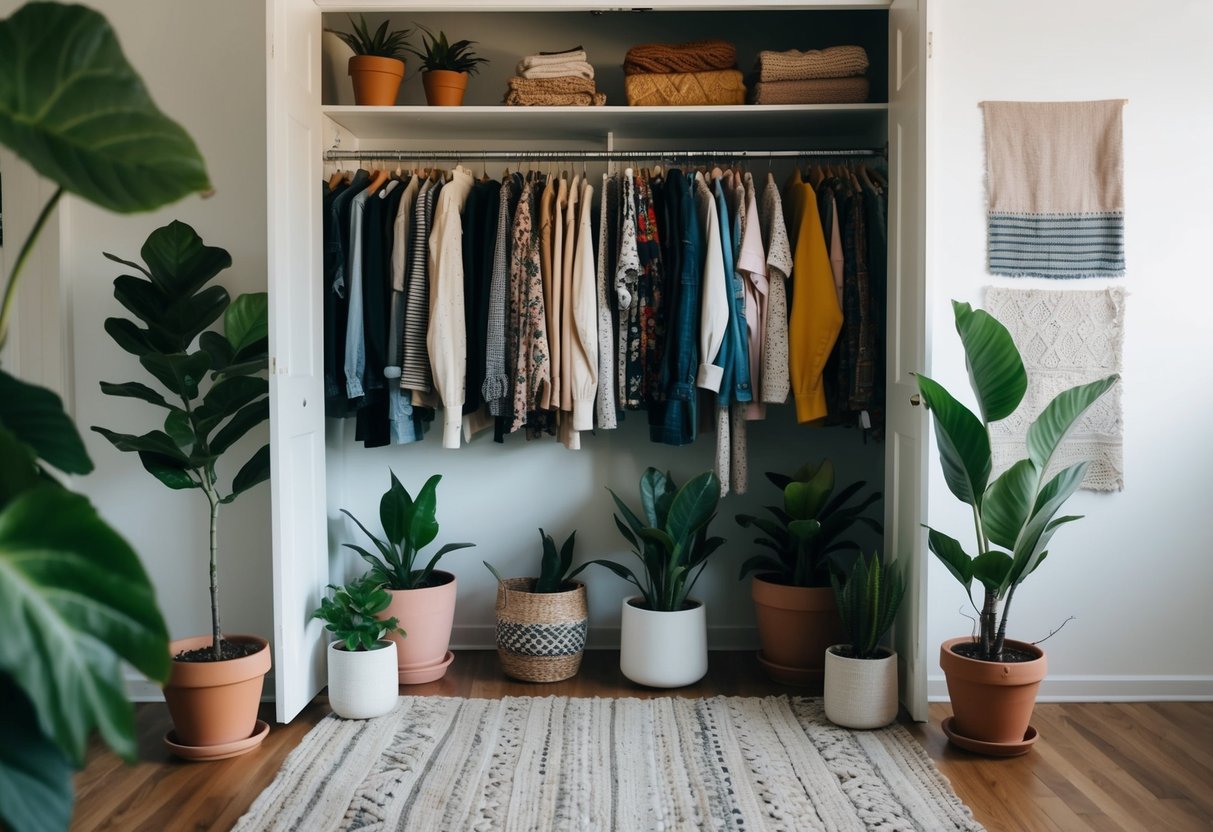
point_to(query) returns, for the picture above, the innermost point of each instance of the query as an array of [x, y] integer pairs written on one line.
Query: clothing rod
[[587, 155]]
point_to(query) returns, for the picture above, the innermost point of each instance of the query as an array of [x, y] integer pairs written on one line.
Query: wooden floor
[[1102, 767]]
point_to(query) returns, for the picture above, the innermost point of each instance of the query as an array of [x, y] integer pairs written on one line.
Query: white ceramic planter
[[861, 693], [362, 684], [663, 649]]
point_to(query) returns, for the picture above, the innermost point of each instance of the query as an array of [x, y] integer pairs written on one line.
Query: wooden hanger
[[335, 179]]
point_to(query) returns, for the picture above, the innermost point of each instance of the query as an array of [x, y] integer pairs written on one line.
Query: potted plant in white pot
[[861, 675], [362, 660], [445, 67], [992, 680], [423, 598], [377, 66], [542, 622], [793, 604], [663, 635], [217, 395]]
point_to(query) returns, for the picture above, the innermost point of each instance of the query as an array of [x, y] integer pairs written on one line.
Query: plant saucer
[[222, 751], [990, 749], [801, 677], [428, 673]]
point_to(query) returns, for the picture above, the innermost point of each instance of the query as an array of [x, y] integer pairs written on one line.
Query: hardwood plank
[[1148, 769]]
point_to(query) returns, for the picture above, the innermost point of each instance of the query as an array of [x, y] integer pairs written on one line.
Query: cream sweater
[[447, 335], [714, 299]]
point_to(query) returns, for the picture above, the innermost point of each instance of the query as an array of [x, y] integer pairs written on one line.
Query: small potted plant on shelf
[[216, 681], [795, 609], [992, 680], [445, 67], [542, 622], [861, 676], [423, 598], [664, 640], [377, 65], [362, 661]]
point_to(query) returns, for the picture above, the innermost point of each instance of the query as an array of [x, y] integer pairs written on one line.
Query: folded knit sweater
[[694, 56], [553, 92], [852, 90], [794, 65]]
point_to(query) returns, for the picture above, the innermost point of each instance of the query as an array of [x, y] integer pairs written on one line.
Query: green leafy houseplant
[[409, 526], [203, 419], [804, 532], [74, 599], [671, 540], [868, 599], [438, 53], [382, 43], [350, 615], [1015, 516], [554, 565]]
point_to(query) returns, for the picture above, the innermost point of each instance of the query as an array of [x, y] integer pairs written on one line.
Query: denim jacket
[[734, 353], [679, 420]]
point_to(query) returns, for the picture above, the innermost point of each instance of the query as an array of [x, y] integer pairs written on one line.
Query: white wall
[[1135, 573]]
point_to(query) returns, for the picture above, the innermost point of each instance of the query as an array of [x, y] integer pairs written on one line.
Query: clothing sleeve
[[816, 317], [606, 329], [400, 244], [585, 319], [355, 340], [447, 336], [714, 301]]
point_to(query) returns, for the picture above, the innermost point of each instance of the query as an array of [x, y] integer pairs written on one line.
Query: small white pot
[[362, 684], [861, 693], [663, 649]]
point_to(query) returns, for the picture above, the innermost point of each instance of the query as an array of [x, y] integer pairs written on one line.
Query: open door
[[906, 445], [300, 541]]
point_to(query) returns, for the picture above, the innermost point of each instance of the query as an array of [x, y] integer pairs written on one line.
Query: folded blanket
[[814, 91], [681, 89], [553, 92], [794, 65], [580, 69], [695, 56], [542, 58]]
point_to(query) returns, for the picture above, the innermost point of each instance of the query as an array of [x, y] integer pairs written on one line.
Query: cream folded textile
[[547, 58], [578, 69], [794, 65]]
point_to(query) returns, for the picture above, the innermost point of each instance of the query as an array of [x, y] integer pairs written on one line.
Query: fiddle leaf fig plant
[[216, 394], [409, 525], [1016, 515], [75, 602]]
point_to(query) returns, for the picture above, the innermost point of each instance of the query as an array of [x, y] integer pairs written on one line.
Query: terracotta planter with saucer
[[426, 615], [992, 702], [214, 704], [376, 79], [444, 88], [795, 626]]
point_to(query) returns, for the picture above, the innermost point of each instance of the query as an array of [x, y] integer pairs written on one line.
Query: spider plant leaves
[[76, 111]]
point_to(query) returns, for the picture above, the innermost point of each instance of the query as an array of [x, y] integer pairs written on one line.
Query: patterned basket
[[540, 635]]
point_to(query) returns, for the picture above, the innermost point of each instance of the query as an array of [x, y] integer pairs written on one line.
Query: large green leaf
[[964, 444], [130, 337], [155, 441], [73, 600], [247, 418], [653, 485], [226, 397], [135, 390], [996, 371], [952, 555], [1060, 416], [35, 776], [72, 107], [423, 522], [693, 505], [247, 321], [809, 490], [1034, 538], [19, 470], [181, 373], [991, 569], [395, 506], [256, 470], [35, 416], [172, 472], [179, 262], [1008, 502]]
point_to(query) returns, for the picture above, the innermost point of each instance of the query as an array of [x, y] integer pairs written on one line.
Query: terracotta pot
[[213, 703], [426, 615], [376, 79], [992, 702], [540, 635], [860, 693], [795, 625], [663, 649], [362, 683], [444, 88]]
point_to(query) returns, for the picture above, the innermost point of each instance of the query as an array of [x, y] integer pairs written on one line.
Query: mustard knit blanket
[[685, 89]]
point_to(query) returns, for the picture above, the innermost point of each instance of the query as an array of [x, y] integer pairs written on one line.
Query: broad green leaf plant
[[216, 392], [669, 537], [554, 565], [75, 602], [351, 615], [1015, 516], [409, 525]]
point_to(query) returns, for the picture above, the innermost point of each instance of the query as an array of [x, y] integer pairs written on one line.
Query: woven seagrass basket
[[540, 635]]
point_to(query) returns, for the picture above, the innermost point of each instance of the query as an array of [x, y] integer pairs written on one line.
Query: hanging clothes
[[627, 273], [775, 382], [336, 230], [533, 367], [583, 377], [608, 233], [497, 390], [446, 337], [752, 264], [650, 298]]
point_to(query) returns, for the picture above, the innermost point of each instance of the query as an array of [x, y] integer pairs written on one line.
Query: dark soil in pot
[[227, 649], [1010, 654]]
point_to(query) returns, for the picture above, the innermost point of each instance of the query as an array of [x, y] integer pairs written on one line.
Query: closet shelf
[[698, 124], [586, 5]]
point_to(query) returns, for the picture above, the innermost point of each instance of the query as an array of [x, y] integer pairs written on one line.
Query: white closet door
[[907, 443], [301, 565]]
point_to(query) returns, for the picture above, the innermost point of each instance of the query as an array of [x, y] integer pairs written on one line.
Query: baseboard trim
[[1097, 688], [140, 689], [483, 637]]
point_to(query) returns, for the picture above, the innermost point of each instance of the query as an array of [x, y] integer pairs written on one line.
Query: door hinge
[[930, 43]]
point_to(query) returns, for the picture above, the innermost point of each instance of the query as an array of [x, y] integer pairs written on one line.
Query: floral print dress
[[527, 320]]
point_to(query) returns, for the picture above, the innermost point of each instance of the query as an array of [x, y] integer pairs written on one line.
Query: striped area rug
[[558, 763]]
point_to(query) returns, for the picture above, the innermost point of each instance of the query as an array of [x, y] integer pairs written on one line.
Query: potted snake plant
[[992, 680], [423, 598], [861, 675], [542, 622], [445, 67], [664, 640], [362, 659], [794, 606], [377, 66], [217, 393]]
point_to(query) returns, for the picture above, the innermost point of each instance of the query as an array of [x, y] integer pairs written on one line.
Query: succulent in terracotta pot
[[445, 67], [377, 65]]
